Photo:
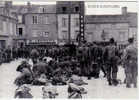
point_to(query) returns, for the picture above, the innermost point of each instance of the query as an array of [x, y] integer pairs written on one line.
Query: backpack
[[131, 53], [111, 51]]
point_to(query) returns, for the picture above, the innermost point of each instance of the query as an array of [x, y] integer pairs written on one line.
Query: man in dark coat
[[26, 75], [34, 55], [112, 61]]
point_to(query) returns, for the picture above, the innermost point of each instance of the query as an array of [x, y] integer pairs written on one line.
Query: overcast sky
[[92, 7]]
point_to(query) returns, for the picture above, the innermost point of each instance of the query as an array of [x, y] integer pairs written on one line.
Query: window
[[43, 10], [2, 43], [64, 9], [64, 35], [4, 27], [46, 20], [14, 29], [20, 19], [76, 20], [122, 35], [104, 35], [1, 25], [45, 34], [35, 19], [64, 24], [11, 28], [76, 9], [20, 31], [76, 34]]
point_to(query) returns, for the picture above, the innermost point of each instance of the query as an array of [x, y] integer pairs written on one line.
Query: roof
[[6, 13], [20, 9], [132, 18], [43, 9], [105, 19]]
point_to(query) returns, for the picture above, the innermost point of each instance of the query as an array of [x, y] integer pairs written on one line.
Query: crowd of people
[[65, 65]]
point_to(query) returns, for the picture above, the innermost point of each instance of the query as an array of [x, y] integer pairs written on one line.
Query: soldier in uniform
[[112, 60], [34, 55], [26, 75], [130, 64]]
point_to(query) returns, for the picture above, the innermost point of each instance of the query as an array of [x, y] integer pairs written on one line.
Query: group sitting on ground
[[44, 73]]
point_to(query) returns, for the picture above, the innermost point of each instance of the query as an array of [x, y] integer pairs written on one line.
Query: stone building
[[66, 22], [36, 24], [40, 23], [8, 23], [103, 27], [70, 20], [20, 38]]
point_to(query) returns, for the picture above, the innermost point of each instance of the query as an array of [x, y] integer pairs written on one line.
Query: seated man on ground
[[26, 75]]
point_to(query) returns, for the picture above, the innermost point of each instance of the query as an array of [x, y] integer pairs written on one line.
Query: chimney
[[8, 4], [124, 10], [29, 6]]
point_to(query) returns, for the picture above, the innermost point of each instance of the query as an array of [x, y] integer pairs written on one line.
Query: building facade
[[66, 22], [36, 24], [8, 22], [40, 23], [103, 27], [70, 19]]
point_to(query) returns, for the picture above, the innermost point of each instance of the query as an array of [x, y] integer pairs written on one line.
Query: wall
[[7, 30], [74, 27], [47, 29], [63, 30], [96, 32]]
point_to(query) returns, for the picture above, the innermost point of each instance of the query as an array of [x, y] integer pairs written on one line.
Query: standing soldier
[[112, 60], [130, 64], [34, 55], [99, 60], [81, 59]]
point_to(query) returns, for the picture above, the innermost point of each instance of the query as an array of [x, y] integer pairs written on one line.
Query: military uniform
[[34, 55], [112, 67], [130, 65], [26, 75]]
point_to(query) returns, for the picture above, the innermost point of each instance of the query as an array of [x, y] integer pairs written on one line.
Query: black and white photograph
[[52, 49]]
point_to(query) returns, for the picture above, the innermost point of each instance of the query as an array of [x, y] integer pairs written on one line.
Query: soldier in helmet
[[112, 61], [26, 75], [130, 63]]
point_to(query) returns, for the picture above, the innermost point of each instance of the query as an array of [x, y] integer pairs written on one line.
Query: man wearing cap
[[130, 63], [112, 67]]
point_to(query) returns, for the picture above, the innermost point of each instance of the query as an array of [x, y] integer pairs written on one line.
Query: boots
[[128, 85], [135, 85], [114, 82], [109, 82]]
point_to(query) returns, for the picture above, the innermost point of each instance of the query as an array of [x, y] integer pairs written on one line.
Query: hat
[[111, 40], [130, 40]]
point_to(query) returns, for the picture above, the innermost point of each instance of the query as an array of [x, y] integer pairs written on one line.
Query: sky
[[95, 8]]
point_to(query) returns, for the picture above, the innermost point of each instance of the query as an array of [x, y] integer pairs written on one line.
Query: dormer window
[[76, 9], [43, 10], [64, 9]]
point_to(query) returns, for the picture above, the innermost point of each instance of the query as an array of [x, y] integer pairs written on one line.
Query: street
[[96, 88]]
